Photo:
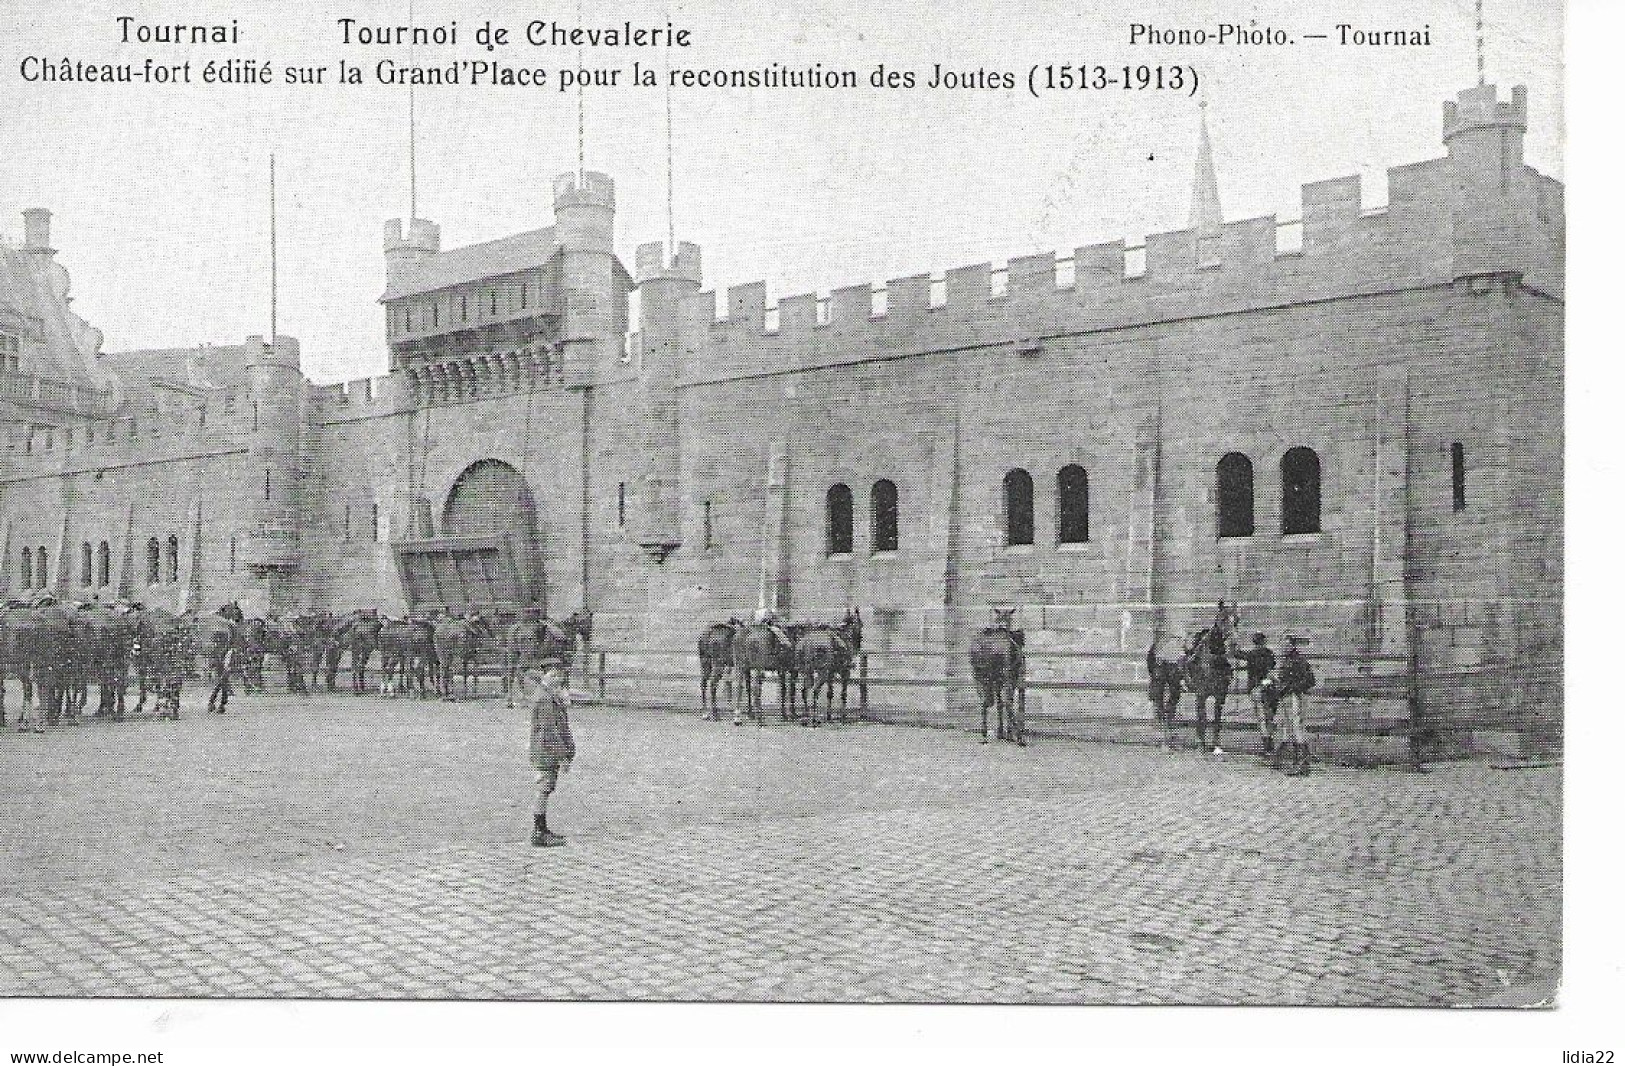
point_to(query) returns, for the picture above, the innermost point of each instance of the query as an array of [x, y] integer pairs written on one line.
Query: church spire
[[1207, 218]]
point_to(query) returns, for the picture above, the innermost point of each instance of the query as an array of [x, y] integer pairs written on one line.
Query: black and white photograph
[[1049, 506]]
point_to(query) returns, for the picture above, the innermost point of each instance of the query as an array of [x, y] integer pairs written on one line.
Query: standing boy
[[1259, 661], [1296, 679], [543, 690]]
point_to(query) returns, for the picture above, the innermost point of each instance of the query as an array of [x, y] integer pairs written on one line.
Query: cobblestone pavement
[[363, 848]]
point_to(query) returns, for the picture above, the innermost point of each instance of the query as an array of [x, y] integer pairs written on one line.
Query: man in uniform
[[543, 691], [1296, 678], [1259, 661]]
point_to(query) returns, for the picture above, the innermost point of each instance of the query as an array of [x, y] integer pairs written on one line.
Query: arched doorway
[[487, 554], [490, 497]]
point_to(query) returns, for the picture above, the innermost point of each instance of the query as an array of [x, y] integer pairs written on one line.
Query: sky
[[160, 199]]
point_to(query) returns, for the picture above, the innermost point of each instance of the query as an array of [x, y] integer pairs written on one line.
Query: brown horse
[[109, 636], [760, 649], [998, 663], [534, 638], [716, 664], [359, 633], [218, 638], [36, 644], [1165, 669], [1208, 671], [823, 656], [162, 653], [456, 643]]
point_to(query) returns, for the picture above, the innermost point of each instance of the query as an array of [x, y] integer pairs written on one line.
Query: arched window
[[172, 560], [375, 526], [1300, 491], [86, 564], [104, 565], [1235, 496], [40, 571], [27, 561], [1018, 507], [1072, 505], [883, 516], [154, 571], [838, 520], [1458, 477]]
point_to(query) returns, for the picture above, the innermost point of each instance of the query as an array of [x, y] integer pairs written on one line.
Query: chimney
[[37, 230]]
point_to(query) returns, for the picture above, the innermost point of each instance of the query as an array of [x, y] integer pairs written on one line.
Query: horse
[[109, 635], [998, 662], [315, 630], [284, 639], [1207, 672], [1165, 669], [251, 662], [716, 664], [162, 651], [544, 639], [822, 656], [406, 646], [218, 637], [37, 647], [758, 650], [360, 633], [456, 641]]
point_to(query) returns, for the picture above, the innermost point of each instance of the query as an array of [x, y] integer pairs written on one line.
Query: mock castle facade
[[1357, 436]]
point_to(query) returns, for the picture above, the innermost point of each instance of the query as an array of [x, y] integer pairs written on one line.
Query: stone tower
[[584, 229], [663, 286], [275, 386]]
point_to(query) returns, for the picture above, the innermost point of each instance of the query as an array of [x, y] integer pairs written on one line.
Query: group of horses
[[57, 649], [808, 659]]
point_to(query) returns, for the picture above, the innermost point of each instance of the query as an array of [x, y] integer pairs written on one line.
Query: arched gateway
[[487, 556]]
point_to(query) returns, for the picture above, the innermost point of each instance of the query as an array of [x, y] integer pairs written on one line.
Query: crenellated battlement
[[1333, 249], [213, 425], [361, 397]]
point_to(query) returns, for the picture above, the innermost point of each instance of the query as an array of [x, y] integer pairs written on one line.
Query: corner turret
[[421, 240], [1484, 135]]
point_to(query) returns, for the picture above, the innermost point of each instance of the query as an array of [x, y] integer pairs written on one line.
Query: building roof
[[458, 266], [35, 287]]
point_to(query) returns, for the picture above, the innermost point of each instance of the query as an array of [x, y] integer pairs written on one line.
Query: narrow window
[[154, 566], [375, 526], [838, 520], [256, 413], [883, 516], [408, 313], [86, 565], [346, 521], [40, 569], [27, 561], [172, 560], [464, 302], [1458, 477], [708, 534], [493, 301], [267, 484], [104, 565], [1235, 474], [434, 313], [1018, 507], [1300, 491], [524, 296], [232, 563], [620, 504], [1072, 505]]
